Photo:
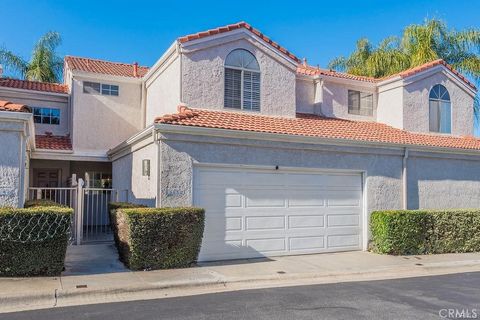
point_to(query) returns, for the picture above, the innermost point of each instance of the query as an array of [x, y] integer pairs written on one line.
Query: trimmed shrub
[[42, 203], [159, 238], [112, 209], [33, 241], [404, 232]]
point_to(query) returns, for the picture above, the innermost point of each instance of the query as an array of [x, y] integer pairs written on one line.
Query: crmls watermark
[[454, 313]]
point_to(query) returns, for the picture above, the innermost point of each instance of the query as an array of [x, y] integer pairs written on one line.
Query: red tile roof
[[105, 67], [52, 142], [314, 126], [426, 66], [312, 71], [236, 26], [8, 106], [33, 85]]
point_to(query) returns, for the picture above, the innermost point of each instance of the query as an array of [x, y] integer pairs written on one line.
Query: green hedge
[[425, 231], [158, 238], [33, 241], [42, 203]]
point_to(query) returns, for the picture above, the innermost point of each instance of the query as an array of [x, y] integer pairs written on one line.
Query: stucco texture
[[128, 178], [335, 101], [101, 122], [382, 169], [11, 146], [203, 79], [416, 105], [163, 90], [45, 100]]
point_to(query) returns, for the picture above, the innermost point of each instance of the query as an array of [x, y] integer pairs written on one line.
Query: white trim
[[161, 61], [227, 133], [31, 91], [95, 77], [127, 146], [68, 156]]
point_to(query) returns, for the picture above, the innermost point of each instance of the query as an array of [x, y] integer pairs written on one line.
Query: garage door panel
[[265, 198], [343, 220], [264, 223], [306, 221], [306, 243], [342, 241], [254, 213]]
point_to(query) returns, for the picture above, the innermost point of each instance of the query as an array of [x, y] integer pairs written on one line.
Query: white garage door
[[256, 213]]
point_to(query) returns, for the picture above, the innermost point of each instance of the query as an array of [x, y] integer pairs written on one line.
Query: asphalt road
[[414, 298]]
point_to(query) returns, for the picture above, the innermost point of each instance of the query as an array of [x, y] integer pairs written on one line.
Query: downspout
[[158, 202], [405, 180]]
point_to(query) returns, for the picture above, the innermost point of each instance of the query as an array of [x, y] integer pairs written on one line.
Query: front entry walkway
[[92, 259]]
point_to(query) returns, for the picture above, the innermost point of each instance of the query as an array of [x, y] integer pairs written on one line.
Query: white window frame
[[104, 89], [350, 111], [439, 100], [50, 116], [242, 84]]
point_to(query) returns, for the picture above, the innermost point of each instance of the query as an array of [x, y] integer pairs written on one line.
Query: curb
[[65, 297]]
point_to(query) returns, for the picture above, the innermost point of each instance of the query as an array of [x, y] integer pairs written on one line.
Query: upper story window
[[360, 103], [242, 81], [46, 115], [100, 88], [440, 110]]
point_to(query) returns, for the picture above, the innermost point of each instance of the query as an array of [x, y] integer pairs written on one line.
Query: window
[[46, 115], [440, 110], [360, 103], [100, 88], [109, 90], [99, 180], [242, 81]]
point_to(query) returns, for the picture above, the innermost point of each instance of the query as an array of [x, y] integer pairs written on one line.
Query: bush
[[158, 238], [112, 209], [33, 241], [42, 203], [425, 231]]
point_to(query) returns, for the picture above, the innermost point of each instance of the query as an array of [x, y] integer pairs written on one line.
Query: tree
[[418, 44], [44, 65]]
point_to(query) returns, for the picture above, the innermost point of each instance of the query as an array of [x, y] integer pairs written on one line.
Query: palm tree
[[44, 65], [419, 43]]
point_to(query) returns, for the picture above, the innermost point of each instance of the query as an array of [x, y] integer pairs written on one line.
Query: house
[[286, 158]]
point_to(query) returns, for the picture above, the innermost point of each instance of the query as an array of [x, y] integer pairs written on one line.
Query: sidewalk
[[90, 284]]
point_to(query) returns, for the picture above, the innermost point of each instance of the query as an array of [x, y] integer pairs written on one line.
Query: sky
[[128, 31], [140, 31]]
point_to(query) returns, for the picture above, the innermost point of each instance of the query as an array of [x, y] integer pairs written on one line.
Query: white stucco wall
[[15, 127], [335, 100], [390, 106], [203, 78], [163, 90], [128, 178], [100, 122], [41, 99], [416, 105], [305, 95]]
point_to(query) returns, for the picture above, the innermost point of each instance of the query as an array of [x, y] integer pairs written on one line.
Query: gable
[[234, 32]]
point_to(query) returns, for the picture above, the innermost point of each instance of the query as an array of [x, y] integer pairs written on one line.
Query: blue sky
[[140, 31]]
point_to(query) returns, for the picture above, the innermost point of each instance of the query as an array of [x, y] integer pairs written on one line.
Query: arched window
[[242, 81], [440, 110]]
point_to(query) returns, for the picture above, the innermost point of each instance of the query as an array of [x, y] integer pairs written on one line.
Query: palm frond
[[13, 61]]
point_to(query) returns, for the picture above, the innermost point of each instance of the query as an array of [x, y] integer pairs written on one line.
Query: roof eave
[[229, 133]]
